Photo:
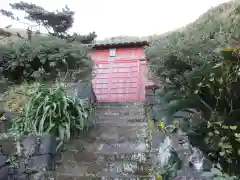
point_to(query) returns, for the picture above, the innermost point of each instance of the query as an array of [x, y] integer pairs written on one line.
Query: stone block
[[157, 138], [22, 176], [4, 126], [189, 174], [4, 173], [22, 165], [12, 171], [8, 147], [48, 145], [30, 145], [3, 160], [57, 158], [40, 163], [37, 176]]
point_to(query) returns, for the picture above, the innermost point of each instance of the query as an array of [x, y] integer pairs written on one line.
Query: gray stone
[[22, 165], [3, 173], [157, 138], [4, 126], [48, 145], [37, 176], [85, 91], [30, 145], [39, 163], [8, 146], [189, 174], [22, 176], [3, 160], [122, 148]]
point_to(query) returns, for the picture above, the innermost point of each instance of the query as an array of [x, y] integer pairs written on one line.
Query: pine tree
[[56, 23]]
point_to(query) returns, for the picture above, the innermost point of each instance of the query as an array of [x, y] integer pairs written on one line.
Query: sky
[[110, 18]]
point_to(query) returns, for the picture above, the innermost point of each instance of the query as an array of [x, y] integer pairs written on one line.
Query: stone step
[[135, 118], [105, 165], [119, 104], [120, 117], [120, 133], [123, 111], [127, 167], [79, 157], [113, 177], [120, 109], [116, 149], [139, 146], [134, 157], [124, 124], [121, 122], [115, 119]]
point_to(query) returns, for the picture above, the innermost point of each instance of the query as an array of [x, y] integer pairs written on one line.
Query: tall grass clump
[[52, 110]]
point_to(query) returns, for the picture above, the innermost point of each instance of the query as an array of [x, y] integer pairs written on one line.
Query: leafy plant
[[218, 174], [201, 81], [43, 58], [169, 170], [52, 110]]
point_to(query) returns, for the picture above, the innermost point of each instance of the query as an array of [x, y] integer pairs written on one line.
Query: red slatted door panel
[[101, 81], [124, 82], [117, 82]]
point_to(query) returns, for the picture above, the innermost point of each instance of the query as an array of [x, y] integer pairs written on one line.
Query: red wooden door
[[117, 81]]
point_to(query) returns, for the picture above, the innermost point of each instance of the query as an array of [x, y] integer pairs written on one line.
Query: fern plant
[[52, 110]]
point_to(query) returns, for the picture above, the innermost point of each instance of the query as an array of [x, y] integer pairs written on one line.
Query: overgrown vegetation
[[52, 110], [34, 61], [56, 23], [44, 56], [200, 77]]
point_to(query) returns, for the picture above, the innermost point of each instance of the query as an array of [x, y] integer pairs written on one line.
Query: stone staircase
[[116, 149]]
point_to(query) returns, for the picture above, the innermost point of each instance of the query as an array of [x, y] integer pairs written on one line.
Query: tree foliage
[[36, 56], [201, 73], [44, 58], [56, 23], [197, 43]]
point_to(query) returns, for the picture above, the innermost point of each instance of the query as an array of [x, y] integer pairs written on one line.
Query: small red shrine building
[[120, 71]]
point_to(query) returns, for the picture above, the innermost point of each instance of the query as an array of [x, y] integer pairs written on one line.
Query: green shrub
[[52, 110], [218, 174], [43, 58], [198, 77]]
